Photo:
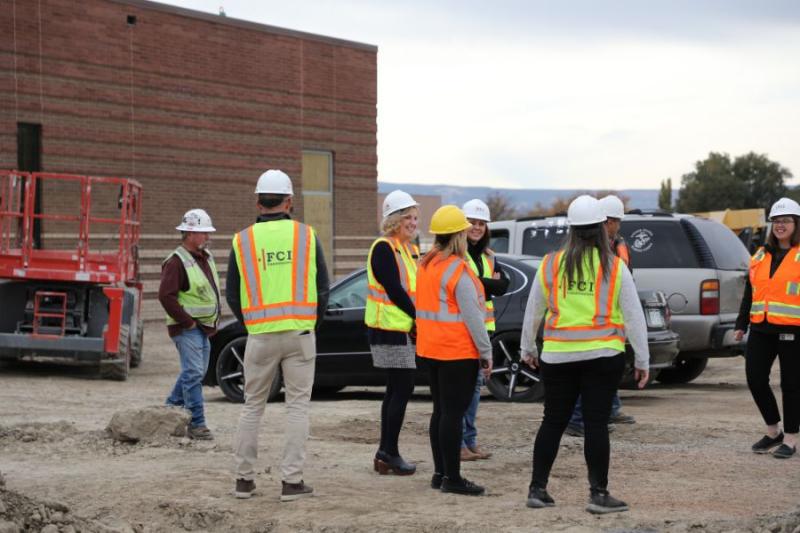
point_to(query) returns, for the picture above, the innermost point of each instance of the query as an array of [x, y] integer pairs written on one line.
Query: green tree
[[717, 183], [665, 195]]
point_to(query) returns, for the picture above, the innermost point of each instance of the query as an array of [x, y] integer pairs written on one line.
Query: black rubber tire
[[685, 370], [137, 345], [118, 371], [512, 380], [230, 372]]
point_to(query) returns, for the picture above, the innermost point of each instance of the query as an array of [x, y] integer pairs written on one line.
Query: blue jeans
[[577, 413], [470, 432], [194, 350]]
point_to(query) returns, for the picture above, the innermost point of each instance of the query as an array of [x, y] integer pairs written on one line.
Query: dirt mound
[[148, 424], [38, 432]]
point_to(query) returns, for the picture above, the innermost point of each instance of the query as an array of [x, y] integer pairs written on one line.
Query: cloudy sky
[[572, 94]]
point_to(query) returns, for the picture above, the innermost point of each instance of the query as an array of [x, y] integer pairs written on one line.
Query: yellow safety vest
[[488, 270], [201, 301], [381, 313], [277, 262], [584, 315]]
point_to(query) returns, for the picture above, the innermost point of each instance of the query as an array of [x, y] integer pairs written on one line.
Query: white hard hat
[[477, 209], [784, 206], [612, 207], [274, 182], [396, 201], [584, 211], [196, 220]]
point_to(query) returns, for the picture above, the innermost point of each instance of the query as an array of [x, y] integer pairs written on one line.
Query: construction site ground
[[685, 465]]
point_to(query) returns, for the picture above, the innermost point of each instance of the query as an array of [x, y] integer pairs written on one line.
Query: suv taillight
[[709, 297]]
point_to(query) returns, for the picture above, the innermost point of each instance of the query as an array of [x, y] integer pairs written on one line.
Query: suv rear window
[[658, 244], [541, 241], [728, 250]]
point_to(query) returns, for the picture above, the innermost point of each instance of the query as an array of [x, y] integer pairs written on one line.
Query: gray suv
[[699, 264]]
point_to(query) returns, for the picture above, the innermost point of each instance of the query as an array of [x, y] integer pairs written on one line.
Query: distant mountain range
[[520, 198]]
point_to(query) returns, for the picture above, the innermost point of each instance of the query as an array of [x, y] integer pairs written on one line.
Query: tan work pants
[[295, 355]]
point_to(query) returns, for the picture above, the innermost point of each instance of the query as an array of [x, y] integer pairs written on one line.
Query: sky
[[600, 94]]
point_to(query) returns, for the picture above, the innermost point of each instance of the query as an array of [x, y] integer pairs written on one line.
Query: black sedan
[[343, 356]]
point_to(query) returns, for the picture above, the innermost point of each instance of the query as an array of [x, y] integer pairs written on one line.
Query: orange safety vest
[[586, 314], [442, 333], [776, 299], [620, 249]]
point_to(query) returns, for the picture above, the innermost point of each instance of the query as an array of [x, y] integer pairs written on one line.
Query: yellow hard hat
[[448, 219]]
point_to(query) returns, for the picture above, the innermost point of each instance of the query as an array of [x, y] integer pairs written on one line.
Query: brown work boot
[[244, 488], [468, 455], [199, 433], [480, 452], [295, 491]]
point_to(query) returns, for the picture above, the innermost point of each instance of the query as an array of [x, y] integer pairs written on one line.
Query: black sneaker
[[767, 443], [436, 481], [462, 486], [295, 491], [538, 498], [244, 488], [601, 502], [784, 451]]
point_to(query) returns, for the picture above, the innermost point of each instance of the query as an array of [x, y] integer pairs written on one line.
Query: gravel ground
[[684, 466]]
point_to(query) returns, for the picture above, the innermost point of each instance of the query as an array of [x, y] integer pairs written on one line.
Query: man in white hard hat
[[277, 286], [189, 293]]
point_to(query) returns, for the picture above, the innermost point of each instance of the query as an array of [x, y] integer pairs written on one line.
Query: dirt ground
[[684, 466]]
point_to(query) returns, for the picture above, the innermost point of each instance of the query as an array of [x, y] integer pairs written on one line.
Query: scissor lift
[[69, 276]]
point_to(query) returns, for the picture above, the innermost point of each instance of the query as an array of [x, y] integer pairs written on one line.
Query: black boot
[[389, 464], [601, 502], [462, 486]]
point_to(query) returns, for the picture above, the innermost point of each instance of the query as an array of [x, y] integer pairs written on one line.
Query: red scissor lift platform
[[69, 276]]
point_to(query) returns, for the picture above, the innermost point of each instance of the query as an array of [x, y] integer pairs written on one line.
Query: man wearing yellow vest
[[277, 286], [189, 293]]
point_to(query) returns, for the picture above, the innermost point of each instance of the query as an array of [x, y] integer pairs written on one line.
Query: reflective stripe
[[439, 317], [582, 334], [300, 272], [757, 307], [446, 315], [602, 288], [793, 288], [783, 309], [281, 311], [201, 310], [248, 264]]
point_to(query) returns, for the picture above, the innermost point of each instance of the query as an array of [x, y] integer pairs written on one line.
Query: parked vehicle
[[69, 277], [699, 264], [343, 356]]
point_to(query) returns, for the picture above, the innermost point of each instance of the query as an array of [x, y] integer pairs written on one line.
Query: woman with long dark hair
[[771, 307], [589, 304]]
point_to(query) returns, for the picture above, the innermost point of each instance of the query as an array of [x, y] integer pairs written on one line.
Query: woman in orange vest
[[589, 305], [771, 307], [452, 339], [389, 316]]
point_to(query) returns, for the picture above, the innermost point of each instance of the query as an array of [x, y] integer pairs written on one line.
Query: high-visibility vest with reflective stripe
[[381, 313], [584, 315], [277, 262], [488, 270], [776, 299], [441, 331], [620, 249], [201, 301]]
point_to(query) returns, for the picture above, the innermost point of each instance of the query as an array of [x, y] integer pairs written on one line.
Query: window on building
[[318, 198], [29, 159]]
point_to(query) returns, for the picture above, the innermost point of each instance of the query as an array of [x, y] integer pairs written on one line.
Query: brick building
[[195, 107]]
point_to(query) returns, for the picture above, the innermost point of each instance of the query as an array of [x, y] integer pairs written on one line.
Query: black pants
[[596, 380], [452, 387], [399, 386], [762, 348]]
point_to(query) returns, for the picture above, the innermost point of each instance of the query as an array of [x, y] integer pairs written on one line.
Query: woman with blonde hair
[[452, 339], [389, 316]]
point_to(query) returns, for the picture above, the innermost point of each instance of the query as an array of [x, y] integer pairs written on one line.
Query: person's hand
[[738, 335], [531, 359], [496, 275], [641, 377], [486, 367]]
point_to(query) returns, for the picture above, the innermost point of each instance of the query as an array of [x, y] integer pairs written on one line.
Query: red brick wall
[[194, 106]]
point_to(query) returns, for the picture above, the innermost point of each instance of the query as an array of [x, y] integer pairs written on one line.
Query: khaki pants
[[295, 354]]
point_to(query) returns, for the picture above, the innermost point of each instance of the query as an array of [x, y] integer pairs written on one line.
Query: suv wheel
[[512, 380], [685, 369], [230, 372]]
